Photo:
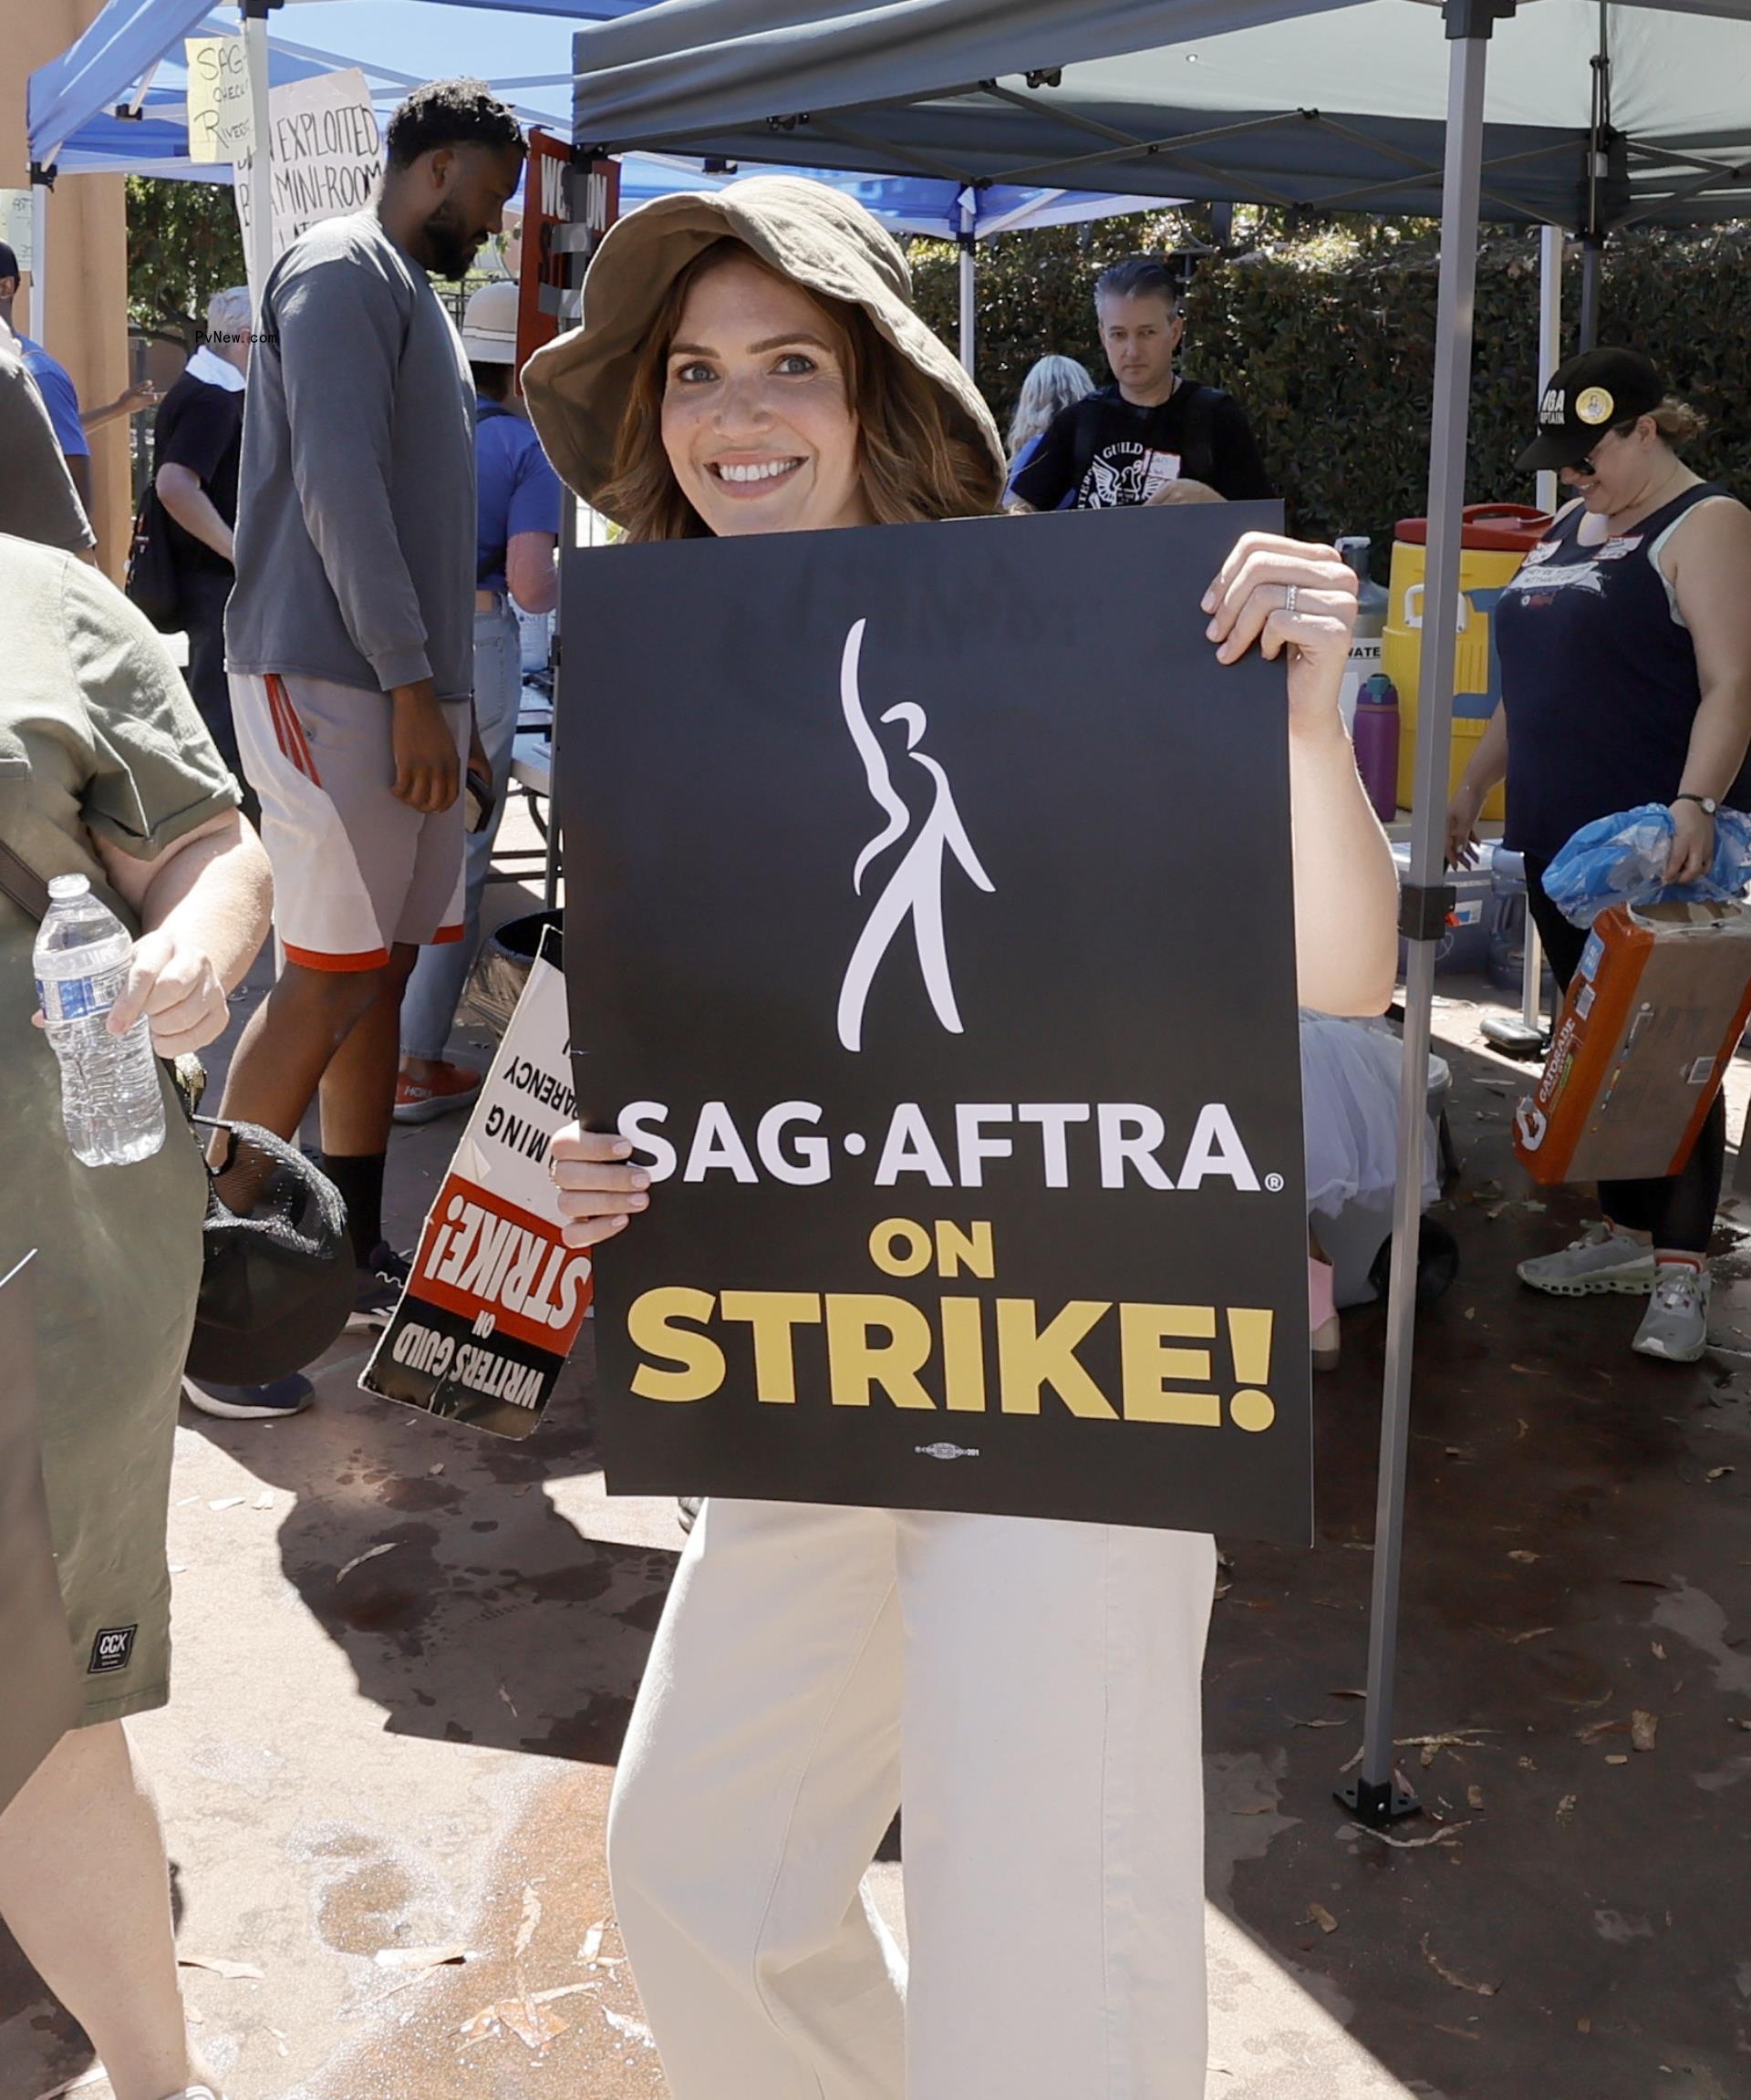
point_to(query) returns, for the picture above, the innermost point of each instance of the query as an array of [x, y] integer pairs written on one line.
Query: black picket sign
[[930, 930]]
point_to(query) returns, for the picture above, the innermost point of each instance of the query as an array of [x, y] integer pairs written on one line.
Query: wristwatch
[[1706, 803]]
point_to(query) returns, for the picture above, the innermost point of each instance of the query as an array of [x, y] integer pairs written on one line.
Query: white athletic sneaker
[[1675, 1325], [1602, 1258]]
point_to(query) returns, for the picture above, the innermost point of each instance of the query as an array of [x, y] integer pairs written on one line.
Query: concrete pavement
[[406, 1653]]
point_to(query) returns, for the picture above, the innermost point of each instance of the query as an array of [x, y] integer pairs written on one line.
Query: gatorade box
[[1656, 1008]]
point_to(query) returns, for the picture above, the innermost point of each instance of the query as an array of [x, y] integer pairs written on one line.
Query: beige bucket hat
[[576, 386]]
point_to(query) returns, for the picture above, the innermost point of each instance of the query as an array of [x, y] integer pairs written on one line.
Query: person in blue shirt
[[518, 500], [60, 397]]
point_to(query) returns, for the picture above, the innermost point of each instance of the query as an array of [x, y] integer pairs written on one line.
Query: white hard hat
[[490, 324]]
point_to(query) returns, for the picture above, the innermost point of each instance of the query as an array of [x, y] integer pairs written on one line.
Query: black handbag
[[277, 1275], [151, 580]]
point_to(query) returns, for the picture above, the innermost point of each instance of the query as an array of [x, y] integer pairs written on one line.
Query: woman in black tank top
[[1625, 647]]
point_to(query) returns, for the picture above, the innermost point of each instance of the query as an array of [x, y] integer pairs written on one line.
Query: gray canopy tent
[[1598, 112]]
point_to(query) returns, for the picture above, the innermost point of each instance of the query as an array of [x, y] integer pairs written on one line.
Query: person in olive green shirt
[[107, 771]]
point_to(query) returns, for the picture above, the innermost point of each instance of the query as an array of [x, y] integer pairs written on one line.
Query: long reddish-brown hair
[[914, 464]]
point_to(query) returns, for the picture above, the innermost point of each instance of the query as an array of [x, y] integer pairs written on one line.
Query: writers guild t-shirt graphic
[[970, 1107], [1125, 472], [913, 890]]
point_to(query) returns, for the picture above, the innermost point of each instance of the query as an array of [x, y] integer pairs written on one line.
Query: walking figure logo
[[914, 889]]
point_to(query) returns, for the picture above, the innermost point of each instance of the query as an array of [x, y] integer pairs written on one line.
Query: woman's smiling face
[[757, 416]]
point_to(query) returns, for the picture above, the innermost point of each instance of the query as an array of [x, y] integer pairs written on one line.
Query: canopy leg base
[[1378, 1805]]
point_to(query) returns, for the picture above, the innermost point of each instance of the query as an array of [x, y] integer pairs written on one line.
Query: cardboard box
[[1656, 1008]]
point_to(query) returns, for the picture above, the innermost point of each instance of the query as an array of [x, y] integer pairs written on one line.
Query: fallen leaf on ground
[[279, 2042], [1566, 1808], [1659, 1652], [1521, 1553], [560, 1990], [531, 1919], [1518, 1639], [1317, 1914], [510, 1702], [1460, 2034], [1445, 1835], [1474, 1796], [418, 1957], [533, 2024], [1346, 1695], [480, 2024], [634, 2030], [219, 1966], [1714, 1472], [265, 1500], [433, 1471], [1621, 1758], [1583, 2025], [1295, 1722], [1595, 1729], [1449, 1976], [1254, 1809], [1527, 1764], [227, 1501], [360, 1559], [1644, 1729], [592, 1945]]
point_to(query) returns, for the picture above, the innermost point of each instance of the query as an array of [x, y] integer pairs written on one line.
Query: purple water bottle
[[1376, 740]]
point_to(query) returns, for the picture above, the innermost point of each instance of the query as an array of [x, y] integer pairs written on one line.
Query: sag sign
[[915, 952]]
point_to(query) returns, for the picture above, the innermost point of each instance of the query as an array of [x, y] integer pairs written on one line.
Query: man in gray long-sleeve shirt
[[349, 643]]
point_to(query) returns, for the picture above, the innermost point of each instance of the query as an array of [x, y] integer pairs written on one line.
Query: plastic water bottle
[[110, 1094], [1371, 600], [1375, 732]]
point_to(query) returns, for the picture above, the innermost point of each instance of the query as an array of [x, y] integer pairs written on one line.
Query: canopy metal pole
[[261, 160], [969, 285], [1592, 252], [42, 181], [1551, 244], [1375, 1794]]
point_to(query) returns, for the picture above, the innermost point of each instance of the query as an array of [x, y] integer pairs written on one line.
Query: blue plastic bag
[[1621, 860]]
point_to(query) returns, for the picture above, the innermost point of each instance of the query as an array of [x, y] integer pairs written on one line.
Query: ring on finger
[[1291, 593]]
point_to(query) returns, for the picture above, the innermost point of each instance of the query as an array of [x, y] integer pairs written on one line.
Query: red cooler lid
[[1489, 528]]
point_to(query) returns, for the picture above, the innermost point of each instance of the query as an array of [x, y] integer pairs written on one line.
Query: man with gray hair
[[197, 445]]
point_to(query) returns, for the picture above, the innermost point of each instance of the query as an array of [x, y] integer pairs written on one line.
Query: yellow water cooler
[[1496, 540]]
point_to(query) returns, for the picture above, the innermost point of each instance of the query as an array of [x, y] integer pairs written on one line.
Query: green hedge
[[1326, 337]]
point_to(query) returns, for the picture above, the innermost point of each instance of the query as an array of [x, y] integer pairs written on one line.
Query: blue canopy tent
[[81, 122], [1598, 112]]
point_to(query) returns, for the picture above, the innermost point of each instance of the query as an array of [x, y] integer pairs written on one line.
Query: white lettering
[[1215, 1148], [662, 1154], [1129, 1132], [813, 1161], [909, 1148], [1054, 1118], [973, 1147], [716, 1142]]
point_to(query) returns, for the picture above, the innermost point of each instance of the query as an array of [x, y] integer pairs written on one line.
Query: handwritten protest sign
[[221, 120], [971, 1096], [16, 227], [325, 154]]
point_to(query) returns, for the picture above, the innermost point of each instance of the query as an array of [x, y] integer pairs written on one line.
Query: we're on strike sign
[[911, 944]]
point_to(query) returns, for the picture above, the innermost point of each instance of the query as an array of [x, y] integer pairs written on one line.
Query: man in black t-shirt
[[1151, 437], [197, 443]]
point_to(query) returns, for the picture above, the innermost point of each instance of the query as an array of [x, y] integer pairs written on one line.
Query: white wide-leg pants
[[1031, 1691]]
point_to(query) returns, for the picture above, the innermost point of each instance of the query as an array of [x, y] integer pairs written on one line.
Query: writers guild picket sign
[[931, 934], [496, 1298]]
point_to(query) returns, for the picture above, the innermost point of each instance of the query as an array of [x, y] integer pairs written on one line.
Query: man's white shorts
[[354, 869]]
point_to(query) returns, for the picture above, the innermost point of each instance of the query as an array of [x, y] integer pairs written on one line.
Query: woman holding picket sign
[[750, 363]]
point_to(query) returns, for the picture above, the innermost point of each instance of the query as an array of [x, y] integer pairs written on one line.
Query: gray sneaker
[[1602, 1258], [1675, 1325]]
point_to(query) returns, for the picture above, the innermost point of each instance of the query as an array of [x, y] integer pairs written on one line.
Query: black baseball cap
[[9, 261], [1590, 395]]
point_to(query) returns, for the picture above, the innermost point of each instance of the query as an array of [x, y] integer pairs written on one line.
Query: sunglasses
[[1589, 466]]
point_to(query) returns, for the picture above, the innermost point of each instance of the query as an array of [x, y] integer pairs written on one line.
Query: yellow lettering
[[971, 1250], [963, 1355], [1029, 1357], [650, 1325], [1149, 1365], [855, 1363], [773, 1314], [899, 1248]]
